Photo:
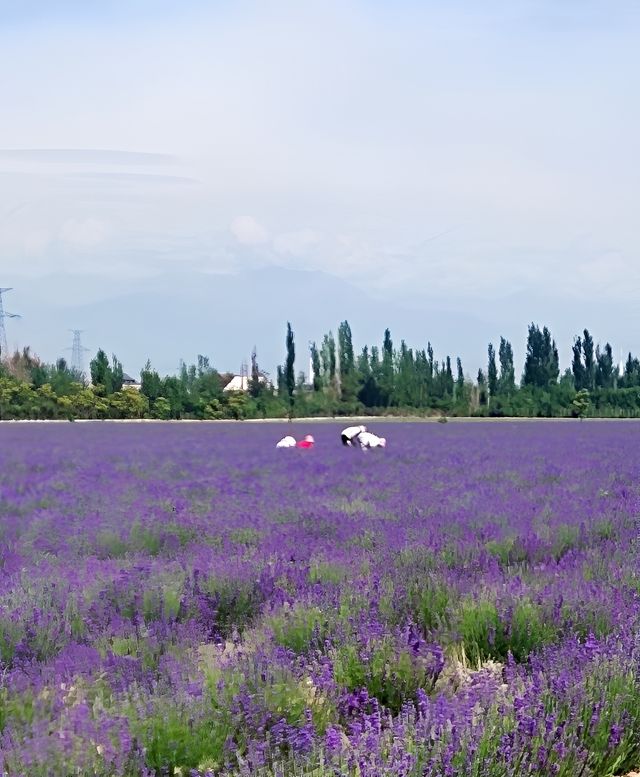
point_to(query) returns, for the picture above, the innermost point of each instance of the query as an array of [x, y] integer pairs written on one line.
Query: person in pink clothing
[[307, 442]]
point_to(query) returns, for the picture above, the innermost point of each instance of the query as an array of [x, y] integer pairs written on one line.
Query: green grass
[[566, 538], [429, 601], [485, 635], [327, 573], [247, 536], [390, 673], [510, 550], [238, 602], [299, 629]]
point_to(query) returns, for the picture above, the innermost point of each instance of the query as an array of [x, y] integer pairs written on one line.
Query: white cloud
[[36, 242], [459, 122], [84, 233], [297, 243], [248, 231]]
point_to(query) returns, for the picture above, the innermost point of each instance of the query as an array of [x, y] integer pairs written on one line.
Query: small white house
[[237, 383], [130, 383], [242, 382]]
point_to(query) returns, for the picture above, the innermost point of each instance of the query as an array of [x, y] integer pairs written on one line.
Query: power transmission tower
[[77, 352], [244, 376], [4, 352]]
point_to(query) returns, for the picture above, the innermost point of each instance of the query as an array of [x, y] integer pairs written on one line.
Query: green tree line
[[385, 379]]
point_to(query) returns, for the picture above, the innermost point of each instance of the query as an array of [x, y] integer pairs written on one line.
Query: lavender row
[[186, 599]]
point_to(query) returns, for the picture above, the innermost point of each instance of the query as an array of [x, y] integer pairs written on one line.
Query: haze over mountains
[[168, 317], [178, 178]]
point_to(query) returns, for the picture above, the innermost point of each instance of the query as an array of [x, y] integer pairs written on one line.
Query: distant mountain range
[[172, 316]]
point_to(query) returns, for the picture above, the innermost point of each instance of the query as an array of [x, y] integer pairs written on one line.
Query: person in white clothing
[[351, 433], [370, 440], [287, 442]]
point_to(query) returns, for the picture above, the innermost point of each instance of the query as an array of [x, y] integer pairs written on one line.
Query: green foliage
[[390, 672], [316, 367], [161, 409], [328, 356], [237, 404], [541, 366], [289, 369], [325, 572], [150, 383], [348, 378], [299, 629], [246, 536], [128, 403], [289, 698], [480, 630], [161, 603], [10, 635], [566, 538], [581, 403], [485, 635], [145, 539], [151, 539], [529, 629], [109, 544], [176, 737], [107, 376], [380, 381], [429, 601], [593, 752], [507, 380], [492, 372], [510, 550], [44, 638], [237, 602], [605, 529], [620, 688]]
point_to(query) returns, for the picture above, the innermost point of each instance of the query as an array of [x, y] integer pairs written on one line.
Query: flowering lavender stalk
[[179, 599]]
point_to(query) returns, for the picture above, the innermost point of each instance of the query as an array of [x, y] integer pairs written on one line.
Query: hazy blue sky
[[453, 153]]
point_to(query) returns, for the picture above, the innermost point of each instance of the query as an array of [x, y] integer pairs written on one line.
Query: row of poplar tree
[[398, 380], [382, 380]]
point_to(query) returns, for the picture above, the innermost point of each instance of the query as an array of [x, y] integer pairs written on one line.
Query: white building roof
[[242, 382], [237, 383]]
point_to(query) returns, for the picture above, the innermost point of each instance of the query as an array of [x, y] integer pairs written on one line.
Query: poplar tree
[[328, 355], [459, 386], [346, 360], [606, 373], [387, 377], [541, 365], [482, 388], [492, 371], [289, 370], [589, 361], [316, 367], [507, 380], [577, 366]]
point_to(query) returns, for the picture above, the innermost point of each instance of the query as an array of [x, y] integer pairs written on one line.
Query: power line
[[77, 352], [4, 351]]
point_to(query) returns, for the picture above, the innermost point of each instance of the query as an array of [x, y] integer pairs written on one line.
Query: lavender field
[[185, 599]]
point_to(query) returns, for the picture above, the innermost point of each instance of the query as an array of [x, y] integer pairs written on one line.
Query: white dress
[[370, 440], [287, 442], [352, 432]]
